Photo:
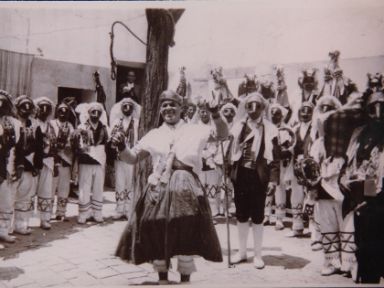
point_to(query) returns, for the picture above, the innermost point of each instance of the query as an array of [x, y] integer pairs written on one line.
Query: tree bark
[[161, 29]]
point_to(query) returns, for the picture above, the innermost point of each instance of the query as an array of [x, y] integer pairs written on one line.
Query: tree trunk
[[161, 29]]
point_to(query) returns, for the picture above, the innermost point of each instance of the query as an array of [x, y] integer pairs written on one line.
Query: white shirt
[[187, 141], [257, 131]]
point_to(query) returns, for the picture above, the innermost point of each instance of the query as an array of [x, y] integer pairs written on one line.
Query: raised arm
[[220, 125]]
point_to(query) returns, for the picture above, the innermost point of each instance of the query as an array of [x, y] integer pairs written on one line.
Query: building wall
[[48, 75], [74, 35]]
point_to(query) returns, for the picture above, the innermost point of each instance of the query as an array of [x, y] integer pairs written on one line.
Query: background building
[[54, 51]]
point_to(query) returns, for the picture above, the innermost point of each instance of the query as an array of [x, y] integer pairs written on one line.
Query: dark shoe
[[185, 278]]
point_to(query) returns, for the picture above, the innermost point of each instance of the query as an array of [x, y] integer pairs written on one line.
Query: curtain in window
[[15, 72]]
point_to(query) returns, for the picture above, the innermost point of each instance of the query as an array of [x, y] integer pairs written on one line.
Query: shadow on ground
[[41, 238], [151, 283], [9, 273], [286, 261], [283, 260]]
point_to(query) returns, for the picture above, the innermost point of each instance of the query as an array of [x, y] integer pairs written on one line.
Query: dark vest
[[302, 146], [260, 165], [246, 159]]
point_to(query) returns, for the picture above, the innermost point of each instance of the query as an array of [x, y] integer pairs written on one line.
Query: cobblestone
[[84, 280], [63, 267], [127, 268], [85, 257], [103, 273]]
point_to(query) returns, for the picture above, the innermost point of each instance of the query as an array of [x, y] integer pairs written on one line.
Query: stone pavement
[[83, 256]]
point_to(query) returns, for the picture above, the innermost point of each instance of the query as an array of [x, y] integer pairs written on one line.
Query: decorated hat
[[63, 105], [116, 112], [255, 97], [8, 101], [327, 99], [83, 110], [171, 96], [307, 104], [23, 99], [95, 106], [43, 100], [228, 105], [283, 110], [5, 94]]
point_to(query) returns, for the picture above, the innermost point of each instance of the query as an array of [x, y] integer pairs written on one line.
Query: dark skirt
[[179, 223]]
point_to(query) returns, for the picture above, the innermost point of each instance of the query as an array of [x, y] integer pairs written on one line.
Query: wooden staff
[[226, 191]]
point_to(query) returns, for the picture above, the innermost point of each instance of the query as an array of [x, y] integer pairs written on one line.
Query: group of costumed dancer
[[320, 151]]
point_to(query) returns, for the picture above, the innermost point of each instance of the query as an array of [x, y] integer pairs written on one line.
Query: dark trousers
[[369, 237], [250, 195]]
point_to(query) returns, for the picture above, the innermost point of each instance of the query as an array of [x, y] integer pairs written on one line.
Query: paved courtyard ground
[[72, 255]]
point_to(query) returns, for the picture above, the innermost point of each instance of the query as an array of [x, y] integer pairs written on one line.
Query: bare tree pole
[[161, 29]]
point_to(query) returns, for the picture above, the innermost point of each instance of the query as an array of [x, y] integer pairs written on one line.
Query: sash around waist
[[178, 165]]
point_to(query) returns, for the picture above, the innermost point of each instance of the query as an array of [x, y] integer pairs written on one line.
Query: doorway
[[123, 68]]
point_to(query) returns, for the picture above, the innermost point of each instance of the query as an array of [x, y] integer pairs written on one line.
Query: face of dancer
[[309, 80], [327, 106], [127, 109], [94, 115], [376, 112], [254, 109], [44, 111], [25, 110], [204, 115], [170, 111], [191, 111], [305, 114], [229, 114], [63, 114], [276, 116]]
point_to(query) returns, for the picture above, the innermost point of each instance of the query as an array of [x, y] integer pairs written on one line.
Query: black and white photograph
[[192, 143]]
